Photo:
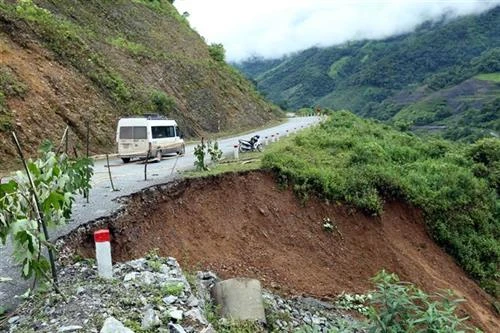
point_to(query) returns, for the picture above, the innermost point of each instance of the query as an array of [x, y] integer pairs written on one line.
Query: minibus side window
[[170, 131], [126, 132], [140, 132], [158, 132], [162, 132], [133, 132]]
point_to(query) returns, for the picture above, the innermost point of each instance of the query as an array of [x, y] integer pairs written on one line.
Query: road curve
[[128, 179]]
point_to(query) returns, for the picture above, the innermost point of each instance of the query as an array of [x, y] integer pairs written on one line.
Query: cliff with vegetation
[[445, 75], [63, 63]]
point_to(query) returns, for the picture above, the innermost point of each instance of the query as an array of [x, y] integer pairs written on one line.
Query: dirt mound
[[245, 225]]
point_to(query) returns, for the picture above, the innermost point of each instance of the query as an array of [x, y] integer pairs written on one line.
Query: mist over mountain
[[445, 74], [272, 29]]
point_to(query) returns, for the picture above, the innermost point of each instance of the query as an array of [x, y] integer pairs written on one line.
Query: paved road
[[128, 178]]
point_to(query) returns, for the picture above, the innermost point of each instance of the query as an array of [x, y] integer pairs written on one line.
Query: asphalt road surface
[[127, 178]]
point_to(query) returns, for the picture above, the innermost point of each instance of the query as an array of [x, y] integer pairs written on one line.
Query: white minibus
[[154, 134]]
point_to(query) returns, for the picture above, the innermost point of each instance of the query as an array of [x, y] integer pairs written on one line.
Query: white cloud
[[272, 28]]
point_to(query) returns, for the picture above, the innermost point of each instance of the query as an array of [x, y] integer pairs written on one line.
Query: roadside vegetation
[[246, 162], [365, 163], [30, 203]]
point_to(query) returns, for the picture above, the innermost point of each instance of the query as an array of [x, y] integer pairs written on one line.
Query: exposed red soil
[[245, 225]]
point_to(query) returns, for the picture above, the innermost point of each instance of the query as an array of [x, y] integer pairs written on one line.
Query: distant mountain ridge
[[388, 79]]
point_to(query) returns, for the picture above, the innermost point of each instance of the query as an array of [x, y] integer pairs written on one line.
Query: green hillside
[[439, 75], [364, 163], [67, 62]]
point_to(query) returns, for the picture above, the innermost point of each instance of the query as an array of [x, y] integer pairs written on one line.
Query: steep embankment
[[371, 78], [271, 235], [62, 63]]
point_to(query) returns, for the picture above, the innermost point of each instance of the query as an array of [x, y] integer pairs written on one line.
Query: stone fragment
[[170, 299], [196, 315], [112, 325], [176, 328], [240, 299], [130, 277], [164, 269], [175, 314], [150, 319], [147, 277], [193, 301], [208, 329], [137, 264], [71, 328]]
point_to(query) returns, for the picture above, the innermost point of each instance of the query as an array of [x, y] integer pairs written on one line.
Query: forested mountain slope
[[433, 76], [66, 62]]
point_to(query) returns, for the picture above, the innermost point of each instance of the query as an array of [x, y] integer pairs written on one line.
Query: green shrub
[[217, 52], [402, 307], [5, 121], [122, 43], [200, 153], [486, 154], [161, 102], [364, 163], [10, 85], [173, 289], [214, 151]]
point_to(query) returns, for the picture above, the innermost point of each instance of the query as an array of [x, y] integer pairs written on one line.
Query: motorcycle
[[253, 144]]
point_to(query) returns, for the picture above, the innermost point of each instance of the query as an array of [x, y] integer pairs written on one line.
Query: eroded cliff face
[[63, 63]]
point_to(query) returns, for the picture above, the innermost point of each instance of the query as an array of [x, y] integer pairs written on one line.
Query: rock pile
[[144, 295], [306, 314], [153, 295]]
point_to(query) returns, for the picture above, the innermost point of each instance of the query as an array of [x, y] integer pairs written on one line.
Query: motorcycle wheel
[[240, 148], [260, 147]]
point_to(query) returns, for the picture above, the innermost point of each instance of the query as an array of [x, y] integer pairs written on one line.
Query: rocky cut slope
[[66, 62]]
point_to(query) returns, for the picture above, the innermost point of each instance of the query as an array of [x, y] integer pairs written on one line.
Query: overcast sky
[[272, 28]]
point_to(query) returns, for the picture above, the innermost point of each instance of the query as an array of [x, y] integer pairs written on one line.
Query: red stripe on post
[[101, 236]]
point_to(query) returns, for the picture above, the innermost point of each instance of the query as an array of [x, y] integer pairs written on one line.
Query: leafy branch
[[41, 196], [214, 151], [199, 153]]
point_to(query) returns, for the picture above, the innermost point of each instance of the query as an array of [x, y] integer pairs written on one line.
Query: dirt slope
[[63, 62], [247, 226]]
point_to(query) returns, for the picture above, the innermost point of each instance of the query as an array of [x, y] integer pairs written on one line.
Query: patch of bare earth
[[56, 97], [245, 225]]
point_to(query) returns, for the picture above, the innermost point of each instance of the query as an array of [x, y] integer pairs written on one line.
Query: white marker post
[[287, 133], [103, 253], [272, 138], [277, 137], [236, 152], [266, 141]]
